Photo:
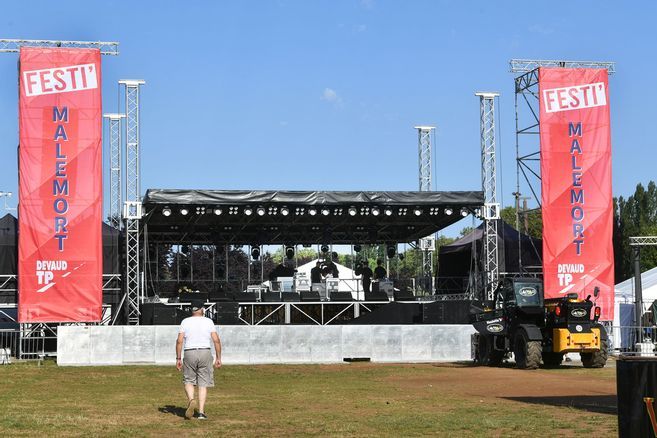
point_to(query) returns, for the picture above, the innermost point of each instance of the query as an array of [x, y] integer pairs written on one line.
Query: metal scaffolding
[[491, 211], [14, 45], [527, 128], [425, 154], [132, 205], [114, 140]]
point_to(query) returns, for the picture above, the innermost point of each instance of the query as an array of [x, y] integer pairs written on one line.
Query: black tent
[[456, 261], [8, 245]]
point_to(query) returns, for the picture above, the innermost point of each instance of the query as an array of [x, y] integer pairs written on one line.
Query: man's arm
[[179, 346], [217, 349]]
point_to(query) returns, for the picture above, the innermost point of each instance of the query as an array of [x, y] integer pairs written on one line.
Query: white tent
[[624, 304]]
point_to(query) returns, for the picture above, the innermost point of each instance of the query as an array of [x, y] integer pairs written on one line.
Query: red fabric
[[576, 184], [60, 185]]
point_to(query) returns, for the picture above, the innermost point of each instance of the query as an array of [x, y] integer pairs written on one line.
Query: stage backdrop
[[60, 183], [576, 184]]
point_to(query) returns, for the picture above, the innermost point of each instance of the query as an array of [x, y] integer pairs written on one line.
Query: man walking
[[196, 334]]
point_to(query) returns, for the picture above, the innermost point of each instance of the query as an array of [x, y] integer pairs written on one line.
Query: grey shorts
[[198, 368]]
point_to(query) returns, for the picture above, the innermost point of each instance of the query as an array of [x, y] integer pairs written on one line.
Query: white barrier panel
[[155, 345]]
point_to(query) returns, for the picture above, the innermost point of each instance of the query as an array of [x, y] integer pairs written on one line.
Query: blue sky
[[323, 95]]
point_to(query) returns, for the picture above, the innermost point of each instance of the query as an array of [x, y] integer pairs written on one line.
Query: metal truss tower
[[114, 140], [132, 205], [425, 154], [489, 187], [14, 45], [527, 130]]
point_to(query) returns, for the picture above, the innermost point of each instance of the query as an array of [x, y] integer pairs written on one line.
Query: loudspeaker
[[147, 310], [226, 314], [310, 296], [167, 315], [270, 297], [290, 297], [341, 296], [404, 295], [446, 312], [376, 296], [245, 297]]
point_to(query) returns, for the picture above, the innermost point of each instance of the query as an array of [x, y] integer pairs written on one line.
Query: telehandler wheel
[[597, 359], [551, 359], [526, 352], [487, 354]]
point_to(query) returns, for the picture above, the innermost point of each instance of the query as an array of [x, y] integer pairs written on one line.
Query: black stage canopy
[[243, 217]]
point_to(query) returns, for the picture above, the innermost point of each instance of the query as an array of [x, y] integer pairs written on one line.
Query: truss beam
[[425, 154], [14, 45], [526, 65]]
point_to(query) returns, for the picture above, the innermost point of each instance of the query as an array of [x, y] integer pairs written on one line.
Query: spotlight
[[375, 211], [357, 248], [299, 211], [417, 211], [289, 252], [255, 253], [248, 211], [326, 211], [166, 211], [184, 211], [260, 211], [334, 255], [449, 211], [388, 211], [352, 211], [401, 256], [391, 250], [217, 211], [312, 211], [285, 211], [464, 212], [324, 248]]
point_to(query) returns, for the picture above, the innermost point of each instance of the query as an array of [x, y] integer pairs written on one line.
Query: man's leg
[[202, 395], [189, 390]]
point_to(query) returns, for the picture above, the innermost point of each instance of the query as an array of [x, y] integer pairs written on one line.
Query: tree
[[534, 221]]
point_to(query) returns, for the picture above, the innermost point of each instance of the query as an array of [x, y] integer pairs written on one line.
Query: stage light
[[260, 211], [255, 253], [299, 211], [417, 211], [200, 210], [232, 210], [334, 255], [464, 212], [248, 211], [166, 211], [401, 256], [352, 211], [285, 211], [357, 248], [289, 252], [326, 211], [184, 211], [217, 211], [449, 211], [324, 248], [391, 250], [477, 212], [402, 211], [312, 211], [388, 211], [375, 211]]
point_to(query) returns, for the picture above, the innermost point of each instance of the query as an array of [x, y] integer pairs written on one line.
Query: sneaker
[[201, 416], [189, 412]]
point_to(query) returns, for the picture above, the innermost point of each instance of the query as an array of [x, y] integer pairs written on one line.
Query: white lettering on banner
[[575, 97], [60, 80]]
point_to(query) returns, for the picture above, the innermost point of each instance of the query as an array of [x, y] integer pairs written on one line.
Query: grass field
[[359, 399]]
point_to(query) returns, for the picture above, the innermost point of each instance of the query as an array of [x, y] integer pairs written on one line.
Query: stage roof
[[243, 217]]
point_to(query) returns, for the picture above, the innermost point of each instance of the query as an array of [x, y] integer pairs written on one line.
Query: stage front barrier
[[155, 345]]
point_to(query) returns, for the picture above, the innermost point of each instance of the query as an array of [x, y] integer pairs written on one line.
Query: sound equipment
[[290, 297], [270, 297], [376, 296], [226, 314], [245, 297], [341, 296], [310, 296], [188, 297], [446, 312], [404, 295]]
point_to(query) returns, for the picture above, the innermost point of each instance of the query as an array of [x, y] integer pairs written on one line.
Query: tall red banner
[[60, 183], [576, 196]]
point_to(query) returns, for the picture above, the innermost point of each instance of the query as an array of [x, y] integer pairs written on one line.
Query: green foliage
[[532, 225], [634, 216]]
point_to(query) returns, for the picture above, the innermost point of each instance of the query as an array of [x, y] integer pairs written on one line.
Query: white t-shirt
[[198, 332]]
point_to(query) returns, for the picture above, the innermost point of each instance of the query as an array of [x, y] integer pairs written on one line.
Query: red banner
[[577, 205], [60, 263]]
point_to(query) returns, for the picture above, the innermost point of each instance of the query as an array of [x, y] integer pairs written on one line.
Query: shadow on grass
[[173, 410], [601, 404]]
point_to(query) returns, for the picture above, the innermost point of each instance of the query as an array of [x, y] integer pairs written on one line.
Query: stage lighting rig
[[352, 211], [357, 248], [324, 249], [255, 253], [391, 250], [417, 211], [261, 211], [449, 211], [388, 211], [184, 211], [312, 211], [289, 252], [248, 211], [464, 212], [166, 211], [285, 211], [217, 211], [375, 211], [326, 211]]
